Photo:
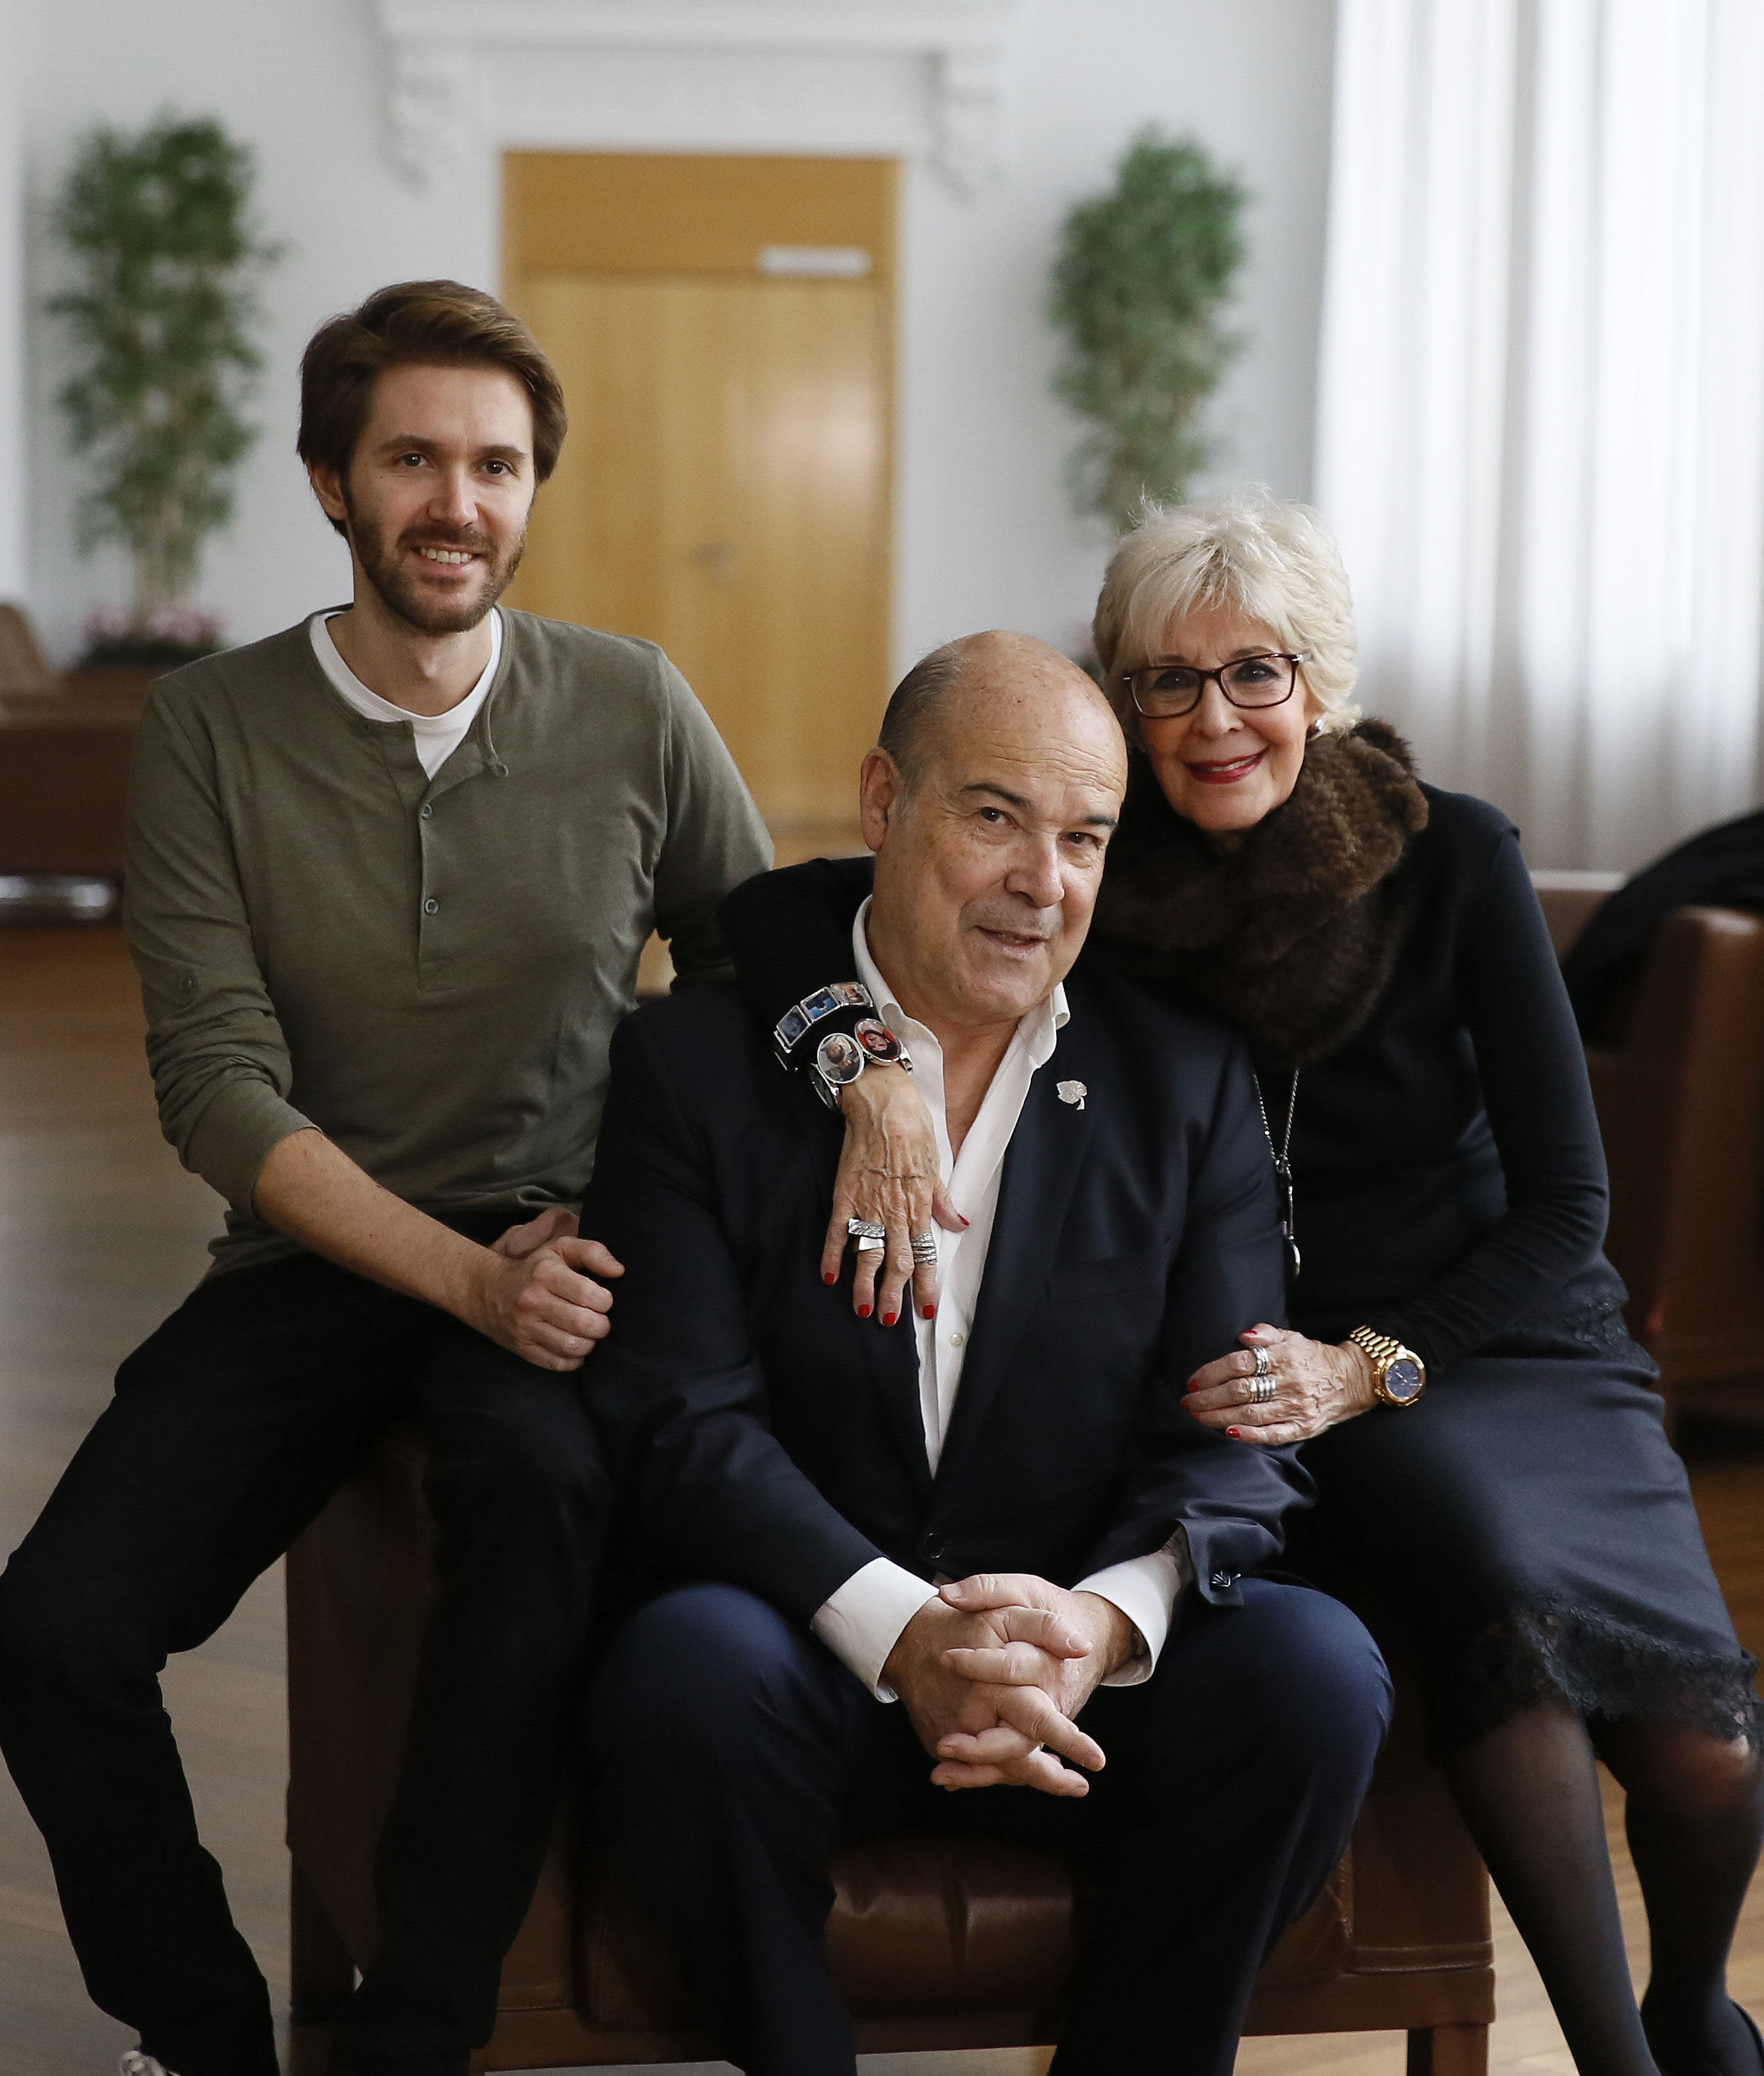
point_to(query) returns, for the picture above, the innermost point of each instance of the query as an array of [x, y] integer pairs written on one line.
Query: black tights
[[1529, 1794]]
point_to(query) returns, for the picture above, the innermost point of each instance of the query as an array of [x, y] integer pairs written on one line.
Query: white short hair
[[1269, 558]]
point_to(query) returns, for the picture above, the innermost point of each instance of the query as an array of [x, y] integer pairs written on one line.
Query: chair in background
[[25, 673], [938, 1944], [1681, 1105], [1568, 900], [1681, 1108], [66, 742]]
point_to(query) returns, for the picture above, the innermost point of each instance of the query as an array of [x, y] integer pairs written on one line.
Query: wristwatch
[[1398, 1374]]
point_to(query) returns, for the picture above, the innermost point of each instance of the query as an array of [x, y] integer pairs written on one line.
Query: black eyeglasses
[[1161, 691]]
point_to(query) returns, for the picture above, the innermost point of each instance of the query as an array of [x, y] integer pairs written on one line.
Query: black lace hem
[[1601, 1668]]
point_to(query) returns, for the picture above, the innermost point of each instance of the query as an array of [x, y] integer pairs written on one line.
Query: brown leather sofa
[[938, 1945], [1681, 1108]]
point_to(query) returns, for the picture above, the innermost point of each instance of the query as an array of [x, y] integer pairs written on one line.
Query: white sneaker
[[136, 2063]]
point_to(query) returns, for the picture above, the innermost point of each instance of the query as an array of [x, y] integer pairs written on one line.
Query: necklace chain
[[1283, 1168]]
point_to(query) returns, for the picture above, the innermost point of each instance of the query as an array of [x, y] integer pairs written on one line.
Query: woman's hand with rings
[[1315, 1384], [887, 1178]]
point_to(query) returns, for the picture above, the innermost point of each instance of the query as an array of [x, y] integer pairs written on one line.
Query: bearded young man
[[390, 874]]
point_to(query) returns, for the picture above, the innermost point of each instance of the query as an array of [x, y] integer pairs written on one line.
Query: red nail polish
[[964, 1222], [928, 1311], [863, 1311], [826, 1278], [888, 1318], [1235, 1433]]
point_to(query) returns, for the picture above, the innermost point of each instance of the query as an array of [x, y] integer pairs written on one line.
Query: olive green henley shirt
[[428, 969]]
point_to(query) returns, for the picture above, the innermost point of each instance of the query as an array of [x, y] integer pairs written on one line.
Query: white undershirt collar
[[436, 735]]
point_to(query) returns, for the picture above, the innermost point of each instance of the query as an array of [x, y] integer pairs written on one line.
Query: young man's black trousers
[[230, 1427]]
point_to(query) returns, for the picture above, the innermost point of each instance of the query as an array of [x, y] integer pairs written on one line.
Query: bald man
[[873, 1570]]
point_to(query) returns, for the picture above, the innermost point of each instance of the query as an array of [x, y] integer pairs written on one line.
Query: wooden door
[[724, 490]]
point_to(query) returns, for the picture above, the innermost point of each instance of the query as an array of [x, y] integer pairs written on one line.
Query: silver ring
[[1262, 1389], [924, 1246], [862, 1229], [1264, 1365]]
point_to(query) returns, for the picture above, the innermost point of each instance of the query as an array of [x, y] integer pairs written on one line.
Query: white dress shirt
[[438, 736], [862, 1622]]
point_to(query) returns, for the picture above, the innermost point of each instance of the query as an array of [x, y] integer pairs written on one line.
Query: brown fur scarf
[[1293, 935]]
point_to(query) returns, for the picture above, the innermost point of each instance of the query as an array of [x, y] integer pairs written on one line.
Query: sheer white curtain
[[1540, 406], [12, 304]]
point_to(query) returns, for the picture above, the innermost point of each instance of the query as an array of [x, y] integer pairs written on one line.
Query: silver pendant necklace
[[1283, 1170]]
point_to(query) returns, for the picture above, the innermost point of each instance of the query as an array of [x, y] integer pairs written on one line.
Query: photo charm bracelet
[[795, 1024], [844, 1049]]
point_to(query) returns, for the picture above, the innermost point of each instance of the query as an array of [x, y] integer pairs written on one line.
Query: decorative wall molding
[[919, 78]]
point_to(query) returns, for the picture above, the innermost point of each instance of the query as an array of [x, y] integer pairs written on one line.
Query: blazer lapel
[[1040, 1170], [889, 1355]]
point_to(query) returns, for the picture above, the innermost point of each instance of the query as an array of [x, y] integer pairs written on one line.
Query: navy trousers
[[736, 1753], [230, 1428]]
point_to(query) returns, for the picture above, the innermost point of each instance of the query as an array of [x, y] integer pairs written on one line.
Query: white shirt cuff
[[1144, 1589], [862, 1622]]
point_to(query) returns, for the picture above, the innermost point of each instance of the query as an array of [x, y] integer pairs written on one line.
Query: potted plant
[[165, 259], [1140, 281]]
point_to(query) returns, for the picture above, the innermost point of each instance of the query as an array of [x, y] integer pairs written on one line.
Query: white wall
[[985, 538], [300, 81]]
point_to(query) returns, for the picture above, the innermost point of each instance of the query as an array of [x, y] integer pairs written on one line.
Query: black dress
[[1529, 1514]]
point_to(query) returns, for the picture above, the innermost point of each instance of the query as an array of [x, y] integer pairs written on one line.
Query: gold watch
[[1398, 1374]]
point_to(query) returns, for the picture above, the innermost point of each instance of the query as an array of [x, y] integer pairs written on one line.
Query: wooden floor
[[100, 1233]]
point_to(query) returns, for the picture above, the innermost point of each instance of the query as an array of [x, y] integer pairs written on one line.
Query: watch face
[[1404, 1380], [877, 1040], [840, 1059]]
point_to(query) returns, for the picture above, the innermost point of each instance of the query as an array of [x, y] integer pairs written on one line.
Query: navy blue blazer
[[766, 1436]]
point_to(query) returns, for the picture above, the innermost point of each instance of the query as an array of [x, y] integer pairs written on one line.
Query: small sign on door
[[815, 263]]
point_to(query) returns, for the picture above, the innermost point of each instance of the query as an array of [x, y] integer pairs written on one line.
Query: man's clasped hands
[[994, 1673]]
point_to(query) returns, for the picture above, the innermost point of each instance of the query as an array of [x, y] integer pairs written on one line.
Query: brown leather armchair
[[1681, 1106], [937, 1944]]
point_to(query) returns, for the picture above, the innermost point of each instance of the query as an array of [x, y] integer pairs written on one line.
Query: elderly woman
[[1478, 1421]]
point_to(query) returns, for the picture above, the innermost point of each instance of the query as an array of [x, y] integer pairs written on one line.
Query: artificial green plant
[[165, 259], [1140, 282]]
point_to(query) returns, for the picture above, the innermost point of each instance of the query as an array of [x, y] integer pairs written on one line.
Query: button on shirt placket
[[469, 764], [428, 905]]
